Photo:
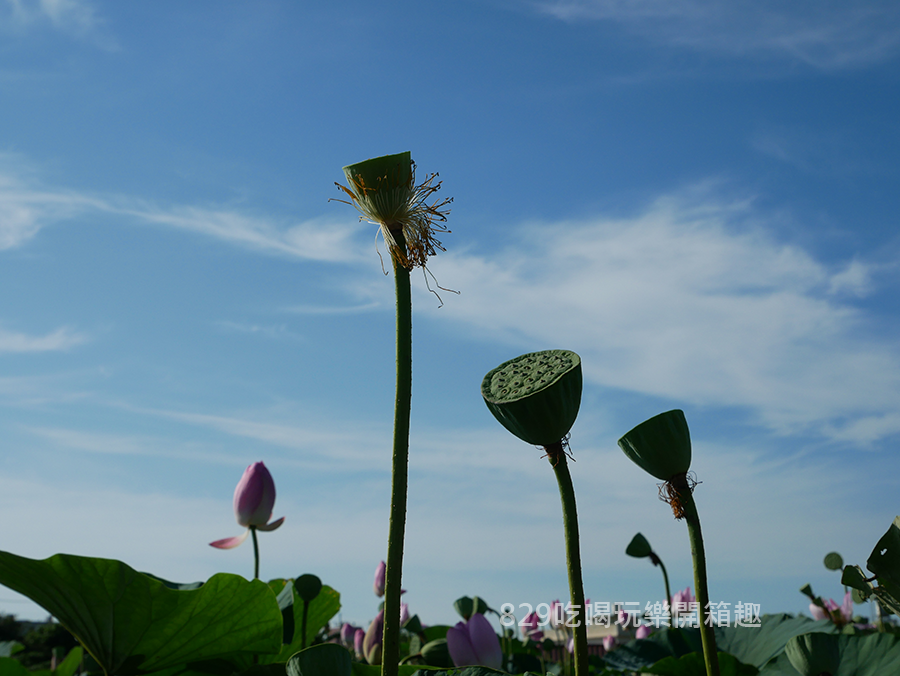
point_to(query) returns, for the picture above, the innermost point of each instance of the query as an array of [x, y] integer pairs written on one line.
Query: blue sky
[[700, 198]]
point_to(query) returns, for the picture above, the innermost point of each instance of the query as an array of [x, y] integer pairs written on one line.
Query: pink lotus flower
[[609, 642], [474, 643], [682, 600], [846, 609], [643, 631], [531, 627], [254, 499]]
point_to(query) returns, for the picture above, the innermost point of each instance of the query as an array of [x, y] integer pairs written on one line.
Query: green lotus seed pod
[[536, 396], [660, 446], [383, 185], [814, 654], [639, 548]]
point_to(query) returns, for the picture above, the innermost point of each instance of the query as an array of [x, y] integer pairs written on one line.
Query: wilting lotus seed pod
[[661, 445], [639, 548], [536, 396], [383, 185]]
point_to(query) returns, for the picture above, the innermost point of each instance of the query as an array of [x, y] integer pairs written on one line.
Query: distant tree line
[[39, 640]]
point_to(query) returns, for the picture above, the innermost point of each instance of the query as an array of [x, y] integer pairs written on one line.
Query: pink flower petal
[[229, 543], [460, 646], [484, 641], [271, 526]]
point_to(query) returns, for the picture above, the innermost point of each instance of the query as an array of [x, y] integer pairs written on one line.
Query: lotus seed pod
[[814, 654], [536, 396], [383, 184], [639, 548], [660, 446]]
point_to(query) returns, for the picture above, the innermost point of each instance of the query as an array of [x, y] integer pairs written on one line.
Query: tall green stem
[[658, 561], [255, 553], [573, 553], [390, 660], [692, 518]]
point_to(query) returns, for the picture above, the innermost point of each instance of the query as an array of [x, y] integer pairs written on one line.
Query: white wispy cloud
[[691, 300], [276, 331], [61, 339], [77, 18], [27, 206], [833, 153], [827, 35]]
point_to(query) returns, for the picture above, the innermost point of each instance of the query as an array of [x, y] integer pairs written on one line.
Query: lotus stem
[[658, 561], [557, 456], [707, 635], [400, 466], [255, 553]]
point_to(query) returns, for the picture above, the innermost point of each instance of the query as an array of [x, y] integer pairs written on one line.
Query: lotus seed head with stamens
[[384, 191]]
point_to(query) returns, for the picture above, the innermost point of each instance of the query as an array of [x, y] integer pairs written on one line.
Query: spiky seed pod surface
[[536, 396]]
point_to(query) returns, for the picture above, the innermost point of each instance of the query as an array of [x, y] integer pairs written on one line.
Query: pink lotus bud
[[347, 632], [373, 639], [609, 642], [379, 579], [643, 631], [254, 499], [681, 601], [358, 637], [531, 627], [404, 613], [557, 614], [474, 643]]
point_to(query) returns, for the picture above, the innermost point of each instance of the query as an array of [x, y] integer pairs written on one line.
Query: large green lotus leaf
[[692, 664], [326, 659], [758, 645], [458, 671], [10, 648], [640, 653], [330, 659], [860, 655], [132, 624], [71, 664], [435, 632], [12, 667], [885, 559]]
